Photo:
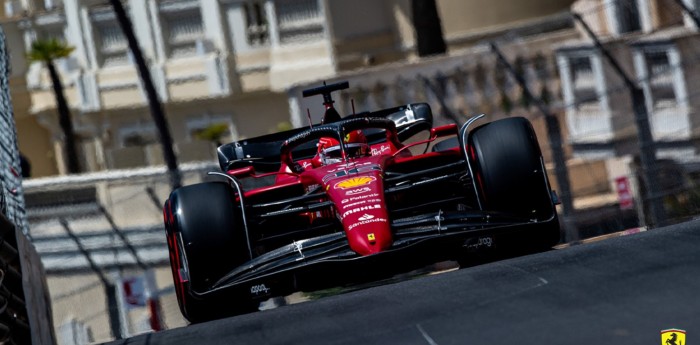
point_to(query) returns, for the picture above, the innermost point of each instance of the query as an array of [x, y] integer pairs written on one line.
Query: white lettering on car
[[476, 243], [355, 203], [366, 217], [373, 195], [358, 191], [360, 209], [361, 202], [260, 289], [380, 150], [364, 222]]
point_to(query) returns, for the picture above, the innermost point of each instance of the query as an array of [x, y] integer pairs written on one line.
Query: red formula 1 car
[[351, 201]]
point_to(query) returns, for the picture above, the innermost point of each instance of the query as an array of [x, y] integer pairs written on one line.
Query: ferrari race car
[[351, 200]]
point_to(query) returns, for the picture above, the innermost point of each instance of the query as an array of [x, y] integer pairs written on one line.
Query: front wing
[[327, 261]]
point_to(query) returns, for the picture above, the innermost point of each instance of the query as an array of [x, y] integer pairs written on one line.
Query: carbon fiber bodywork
[[328, 261]]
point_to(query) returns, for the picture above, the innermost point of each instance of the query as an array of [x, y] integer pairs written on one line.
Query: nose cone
[[369, 240], [367, 227], [359, 200]]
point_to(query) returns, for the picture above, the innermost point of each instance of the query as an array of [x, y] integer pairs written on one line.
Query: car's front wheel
[[206, 240], [510, 178]]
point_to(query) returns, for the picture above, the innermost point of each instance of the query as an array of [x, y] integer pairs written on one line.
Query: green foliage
[[48, 50], [213, 132], [284, 126]]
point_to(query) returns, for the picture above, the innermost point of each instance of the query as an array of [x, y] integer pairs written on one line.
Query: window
[[50, 32], [112, 47], [659, 72], [583, 81], [73, 331], [137, 136], [182, 28], [52, 4], [299, 20], [627, 16], [256, 23]]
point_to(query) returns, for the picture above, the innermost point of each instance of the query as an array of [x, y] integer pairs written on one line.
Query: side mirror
[[443, 131], [241, 172]]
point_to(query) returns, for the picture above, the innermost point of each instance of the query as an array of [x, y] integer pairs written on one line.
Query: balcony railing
[[299, 20]]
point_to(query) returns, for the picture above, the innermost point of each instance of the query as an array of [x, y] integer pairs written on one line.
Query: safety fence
[[24, 306], [617, 122], [101, 236], [102, 242]]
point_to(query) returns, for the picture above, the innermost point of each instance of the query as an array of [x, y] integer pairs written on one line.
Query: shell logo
[[354, 182]]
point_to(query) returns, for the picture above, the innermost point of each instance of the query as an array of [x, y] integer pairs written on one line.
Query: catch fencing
[[591, 132], [102, 242], [24, 307], [589, 126]]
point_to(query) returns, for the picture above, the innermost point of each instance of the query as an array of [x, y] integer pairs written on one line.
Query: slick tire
[[207, 240], [510, 177]]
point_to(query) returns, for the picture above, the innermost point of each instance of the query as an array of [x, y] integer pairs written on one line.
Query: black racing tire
[[510, 178], [204, 227]]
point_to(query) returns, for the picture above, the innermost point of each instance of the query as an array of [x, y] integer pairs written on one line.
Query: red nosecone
[[359, 201]]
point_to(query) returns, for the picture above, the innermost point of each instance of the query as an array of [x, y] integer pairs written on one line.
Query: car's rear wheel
[[206, 240], [510, 178]]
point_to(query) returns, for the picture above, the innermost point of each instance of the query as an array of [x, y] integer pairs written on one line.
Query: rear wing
[[263, 152]]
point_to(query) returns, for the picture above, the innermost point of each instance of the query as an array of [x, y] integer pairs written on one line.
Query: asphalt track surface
[[623, 290]]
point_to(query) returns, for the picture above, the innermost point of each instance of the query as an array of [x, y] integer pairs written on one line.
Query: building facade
[[214, 62], [655, 43], [236, 64]]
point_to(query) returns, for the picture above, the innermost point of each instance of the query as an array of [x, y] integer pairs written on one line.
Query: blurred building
[[658, 46], [656, 43], [213, 62], [239, 64]]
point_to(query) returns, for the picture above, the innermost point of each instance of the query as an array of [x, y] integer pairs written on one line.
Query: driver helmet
[[355, 146]]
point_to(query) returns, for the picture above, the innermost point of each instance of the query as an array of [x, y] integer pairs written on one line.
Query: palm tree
[[214, 133], [46, 52], [426, 22], [154, 104]]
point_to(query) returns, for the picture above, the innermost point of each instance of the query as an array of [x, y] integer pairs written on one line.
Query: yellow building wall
[[35, 143], [460, 17]]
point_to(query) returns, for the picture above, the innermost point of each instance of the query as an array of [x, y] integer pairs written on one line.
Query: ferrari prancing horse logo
[[354, 182], [673, 337]]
